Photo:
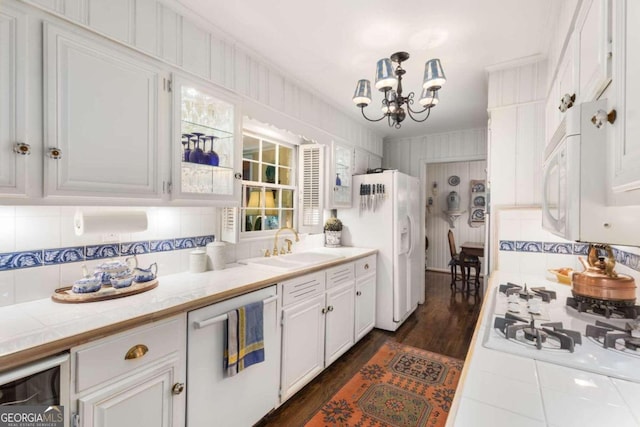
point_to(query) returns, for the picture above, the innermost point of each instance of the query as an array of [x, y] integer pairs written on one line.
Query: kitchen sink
[[291, 261]]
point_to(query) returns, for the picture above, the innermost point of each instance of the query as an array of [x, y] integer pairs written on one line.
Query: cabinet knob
[[177, 388], [366, 266], [22, 148], [330, 308], [136, 352], [358, 293], [55, 153], [601, 117], [566, 102], [237, 175]]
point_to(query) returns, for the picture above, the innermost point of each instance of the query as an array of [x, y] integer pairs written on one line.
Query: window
[[268, 184]]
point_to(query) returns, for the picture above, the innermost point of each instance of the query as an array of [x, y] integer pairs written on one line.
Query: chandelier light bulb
[[429, 98]]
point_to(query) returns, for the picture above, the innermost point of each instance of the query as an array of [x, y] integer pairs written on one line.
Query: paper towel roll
[[113, 222]]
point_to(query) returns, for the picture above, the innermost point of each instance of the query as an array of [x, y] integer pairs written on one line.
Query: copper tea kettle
[[599, 279]]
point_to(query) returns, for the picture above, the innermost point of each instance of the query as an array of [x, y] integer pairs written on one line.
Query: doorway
[[441, 179]]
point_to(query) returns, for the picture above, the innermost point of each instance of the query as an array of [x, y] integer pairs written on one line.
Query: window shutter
[[310, 188], [229, 227]]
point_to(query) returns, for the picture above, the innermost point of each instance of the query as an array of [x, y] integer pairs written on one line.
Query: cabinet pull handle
[[601, 117], [177, 388], [55, 153], [566, 102], [136, 352], [358, 293], [330, 308], [221, 318], [22, 148], [366, 266]]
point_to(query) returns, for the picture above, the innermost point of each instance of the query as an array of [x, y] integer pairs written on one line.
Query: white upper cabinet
[[592, 34], [626, 81], [15, 146], [205, 143], [102, 107], [339, 180]]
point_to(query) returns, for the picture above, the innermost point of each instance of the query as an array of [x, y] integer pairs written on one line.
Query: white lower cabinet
[[365, 315], [318, 319], [135, 378]]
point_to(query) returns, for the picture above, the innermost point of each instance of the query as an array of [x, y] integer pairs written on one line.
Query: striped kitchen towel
[[244, 345]]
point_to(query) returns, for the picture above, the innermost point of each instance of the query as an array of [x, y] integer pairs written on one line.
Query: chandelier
[[395, 107]]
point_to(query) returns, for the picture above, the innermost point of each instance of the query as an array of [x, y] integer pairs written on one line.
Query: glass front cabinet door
[[206, 143], [340, 176]]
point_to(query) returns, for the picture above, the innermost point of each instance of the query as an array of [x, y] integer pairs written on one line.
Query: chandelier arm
[[371, 120], [419, 120]]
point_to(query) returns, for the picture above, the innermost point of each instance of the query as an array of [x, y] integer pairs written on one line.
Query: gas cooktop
[[536, 322]]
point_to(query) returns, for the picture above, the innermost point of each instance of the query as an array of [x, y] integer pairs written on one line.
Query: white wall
[[437, 223]]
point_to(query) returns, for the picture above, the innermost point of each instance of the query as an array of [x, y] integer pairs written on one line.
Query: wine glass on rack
[[196, 153], [214, 159], [186, 138], [205, 158]]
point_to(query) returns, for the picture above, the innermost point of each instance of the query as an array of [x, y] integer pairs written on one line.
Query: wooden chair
[[454, 263]]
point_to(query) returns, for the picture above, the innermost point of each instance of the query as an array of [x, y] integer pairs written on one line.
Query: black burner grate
[[607, 309]]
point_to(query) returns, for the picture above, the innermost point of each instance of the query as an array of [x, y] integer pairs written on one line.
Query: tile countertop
[[499, 389], [36, 329]]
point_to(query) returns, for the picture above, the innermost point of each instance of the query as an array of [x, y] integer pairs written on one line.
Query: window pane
[[287, 218], [250, 148], [271, 222], [250, 171], [269, 174], [268, 152], [286, 156], [284, 176], [287, 199]]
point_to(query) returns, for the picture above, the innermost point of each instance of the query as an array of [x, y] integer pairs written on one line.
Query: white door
[[102, 118], [13, 126], [339, 322], [592, 29], [402, 247], [302, 344], [626, 80], [144, 399], [416, 245], [365, 305]]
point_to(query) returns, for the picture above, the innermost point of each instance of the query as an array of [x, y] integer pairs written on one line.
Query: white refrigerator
[[385, 215]]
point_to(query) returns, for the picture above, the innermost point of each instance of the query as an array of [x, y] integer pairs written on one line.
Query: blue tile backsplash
[[37, 258], [622, 257]]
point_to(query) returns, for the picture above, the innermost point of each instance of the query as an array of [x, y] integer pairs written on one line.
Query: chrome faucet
[[275, 240]]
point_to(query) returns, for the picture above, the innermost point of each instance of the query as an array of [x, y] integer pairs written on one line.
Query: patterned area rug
[[400, 386]]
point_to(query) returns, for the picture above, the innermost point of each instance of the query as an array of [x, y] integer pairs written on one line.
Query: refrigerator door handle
[[409, 233]]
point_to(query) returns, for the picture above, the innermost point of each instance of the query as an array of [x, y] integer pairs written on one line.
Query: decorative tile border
[[37, 258], [625, 258]]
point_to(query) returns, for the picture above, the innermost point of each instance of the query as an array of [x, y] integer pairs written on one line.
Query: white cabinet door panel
[[365, 305], [593, 37], [626, 72], [112, 17], [339, 322], [13, 129], [143, 400], [101, 111], [302, 344]]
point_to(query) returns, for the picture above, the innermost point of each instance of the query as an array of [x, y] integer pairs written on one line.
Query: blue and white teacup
[[121, 282], [87, 284]]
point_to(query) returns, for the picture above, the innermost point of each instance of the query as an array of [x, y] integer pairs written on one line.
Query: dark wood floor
[[443, 324]]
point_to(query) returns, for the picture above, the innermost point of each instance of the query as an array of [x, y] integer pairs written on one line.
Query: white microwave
[[574, 200]]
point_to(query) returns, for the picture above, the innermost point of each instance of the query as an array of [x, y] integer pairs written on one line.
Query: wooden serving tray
[[106, 292]]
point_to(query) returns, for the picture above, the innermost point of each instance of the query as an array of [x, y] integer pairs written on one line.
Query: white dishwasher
[[241, 400]]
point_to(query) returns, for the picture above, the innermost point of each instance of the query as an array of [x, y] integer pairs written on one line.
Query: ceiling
[[330, 44]]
